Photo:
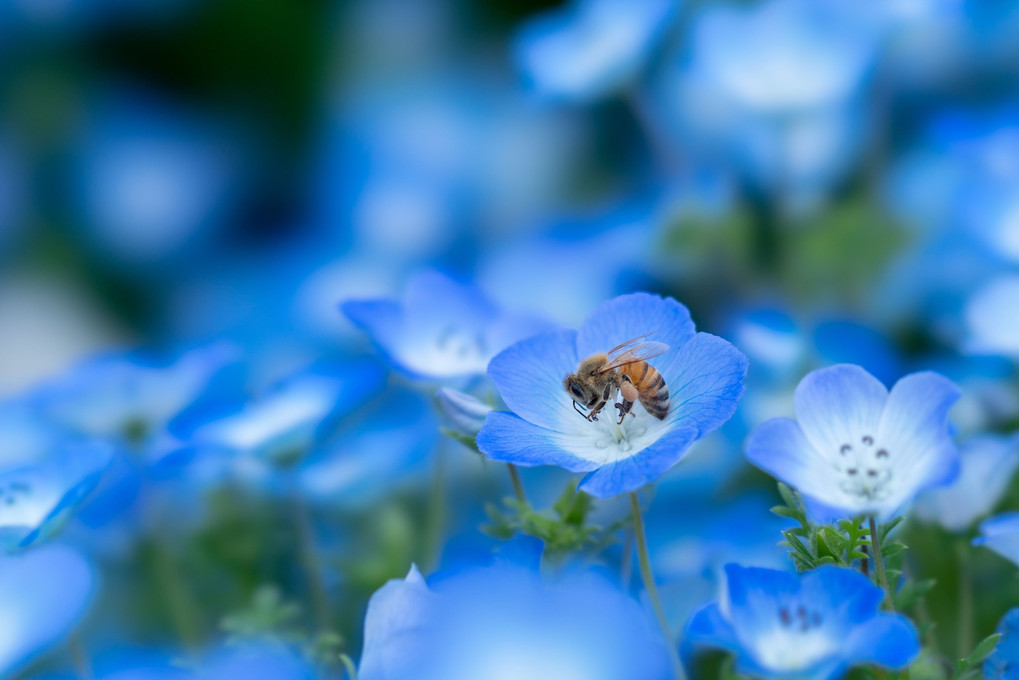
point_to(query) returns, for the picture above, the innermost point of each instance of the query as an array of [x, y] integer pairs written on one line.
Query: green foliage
[[968, 668], [564, 528], [464, 439], [811, 545]]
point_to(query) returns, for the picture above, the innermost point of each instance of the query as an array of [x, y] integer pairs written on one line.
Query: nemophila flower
[[704, 375], [43, 595], [986, 467], [288, 419], [811, 626], [440, 328], [257, 661], [857, 447], [36, 498], [1001, 534], [1003, 663], [504, 621], [587, 50], [992, 320]]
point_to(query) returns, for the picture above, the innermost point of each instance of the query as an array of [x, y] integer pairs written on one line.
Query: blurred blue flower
[[586, 50], [464, 412], [1003, 663], [813, 626], [1001, 534], [152, 183], [504, 621], [776, 88], [858, 448], [992, 318], [284, 423], [266, 661], [43, 595], [986, 467], [704, 374], [440, 329], [36, 499]]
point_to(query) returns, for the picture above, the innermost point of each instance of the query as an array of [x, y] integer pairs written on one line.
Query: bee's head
[[579, 392]]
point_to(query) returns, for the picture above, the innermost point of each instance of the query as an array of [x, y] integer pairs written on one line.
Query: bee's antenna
[[575, 408]]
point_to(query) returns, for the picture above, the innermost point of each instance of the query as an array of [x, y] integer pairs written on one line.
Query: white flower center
[[866, 469], [603, 441], [796, 641]]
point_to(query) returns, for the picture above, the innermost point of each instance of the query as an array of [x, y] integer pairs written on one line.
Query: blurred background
[[818, 181]]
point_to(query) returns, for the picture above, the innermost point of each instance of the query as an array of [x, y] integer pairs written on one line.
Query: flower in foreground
[[857, 447], [704, 374], [440, 329], [505, 621], [43, 594], [812, 626], [1001, 534], [987, 465], [1003, 663]]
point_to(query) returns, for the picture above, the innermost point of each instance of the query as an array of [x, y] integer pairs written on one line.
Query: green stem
[[965, 600], [518, 485], [436, 511], [879, 564], [649, 583], [181, 605], [82, 663], [310, 560]]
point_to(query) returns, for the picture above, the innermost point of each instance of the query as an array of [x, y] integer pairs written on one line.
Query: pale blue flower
[[987, 465], [813, 626], [440, 329], [858, 448], [1003, 663], [704, 374], [464, 412], [1001, 534], [586, 50], [992, 318], [43, 595], [505, 621]]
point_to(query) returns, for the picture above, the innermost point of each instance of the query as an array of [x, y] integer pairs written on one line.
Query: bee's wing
[[641, 352], [623, 346]]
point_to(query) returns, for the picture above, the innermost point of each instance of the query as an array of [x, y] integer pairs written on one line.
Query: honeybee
[[622, 369]]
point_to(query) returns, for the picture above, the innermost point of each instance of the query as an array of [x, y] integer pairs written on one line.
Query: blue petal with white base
[[858, 448], [812, 626], [440, 328], [1001, 534], [704, 374]]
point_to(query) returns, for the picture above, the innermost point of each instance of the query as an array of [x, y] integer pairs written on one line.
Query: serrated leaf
[[788, 495], [983, 649]]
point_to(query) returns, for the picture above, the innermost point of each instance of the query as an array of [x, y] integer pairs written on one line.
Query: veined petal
[[629, 316], [850, 591], [629, 474], [1001, 534], [708, 626], [779, 447], [836, 406], [529, 376], [508, 438], [705, 383]]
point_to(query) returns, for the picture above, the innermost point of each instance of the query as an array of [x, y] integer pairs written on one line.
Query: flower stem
[[310, 559], [518, 485], [879, 564], [649, 583], [82, 663], [436, 511], [965, 601]]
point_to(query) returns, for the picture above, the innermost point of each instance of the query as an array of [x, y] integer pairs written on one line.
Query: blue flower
[[858, 448], [813, 626], [43, 594], [987, 465], [992, 320], [35, 499], [257, 662], [505, 621], [1003, 663], [585, 51], [1001, 534], [464, 412], [704, 374], [440, 329]]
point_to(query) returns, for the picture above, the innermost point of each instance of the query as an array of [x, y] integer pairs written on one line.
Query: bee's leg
[[596, 410], [629, 394]]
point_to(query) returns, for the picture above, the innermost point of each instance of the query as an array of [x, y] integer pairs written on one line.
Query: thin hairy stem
[[518, 485], [879, 565]]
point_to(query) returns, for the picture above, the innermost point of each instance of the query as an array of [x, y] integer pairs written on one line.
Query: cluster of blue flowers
[[364, 438]]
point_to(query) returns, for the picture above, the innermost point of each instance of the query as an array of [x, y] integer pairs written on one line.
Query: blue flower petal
[[709, 627], [915, 426], [838, 405], [629, 316], [529, 376], [508, 438], [630, 474], [706, 383], [842, 589], [380, 319], [779, 447], [1001, 534], [889, 640], [753, 592]]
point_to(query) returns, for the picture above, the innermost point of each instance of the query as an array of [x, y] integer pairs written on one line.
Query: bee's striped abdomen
[[654, 393]]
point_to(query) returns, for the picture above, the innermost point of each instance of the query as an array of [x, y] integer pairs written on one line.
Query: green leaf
[[983, 649]]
